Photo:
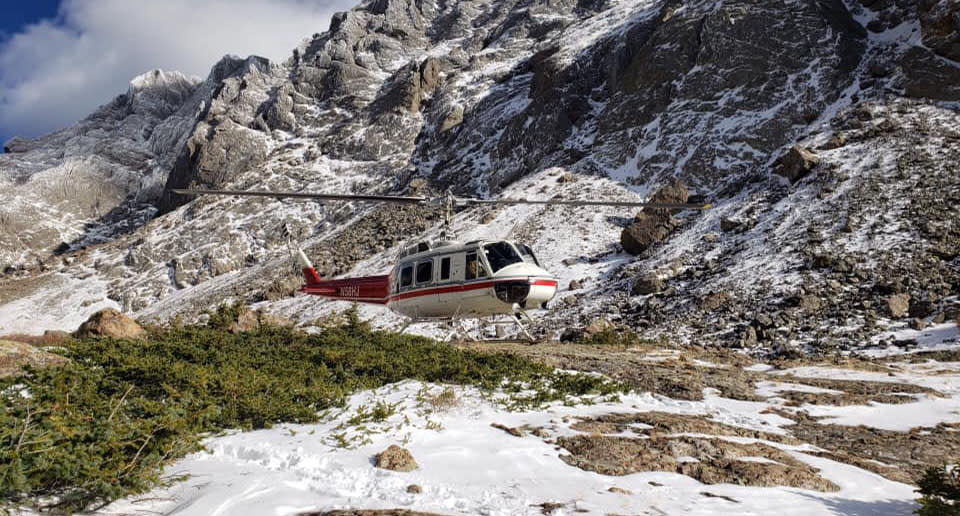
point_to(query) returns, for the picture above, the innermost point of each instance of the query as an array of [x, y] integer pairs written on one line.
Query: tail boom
[[365, 289]]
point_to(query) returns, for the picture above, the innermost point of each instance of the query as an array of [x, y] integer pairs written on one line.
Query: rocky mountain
[[826, 134]]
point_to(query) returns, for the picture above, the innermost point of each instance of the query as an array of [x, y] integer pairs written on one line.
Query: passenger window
[[474, 267], [445, 268], [406, 276], [425, 272]]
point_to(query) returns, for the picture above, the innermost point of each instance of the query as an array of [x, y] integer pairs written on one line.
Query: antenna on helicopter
[[446, 232]]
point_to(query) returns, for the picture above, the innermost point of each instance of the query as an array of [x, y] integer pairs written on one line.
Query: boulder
[[713, 301], [395, 458], [648, 284], [652, 225], [14, 355], [796, 163], [110, 323], [418, 183], [898, 305], [647, 229], [673, 193], [810, 303], [835, 142], [596, 326]]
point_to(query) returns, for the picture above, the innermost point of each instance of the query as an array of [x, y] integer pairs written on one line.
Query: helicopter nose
[[530, 292], [513, 291], [541, 290]]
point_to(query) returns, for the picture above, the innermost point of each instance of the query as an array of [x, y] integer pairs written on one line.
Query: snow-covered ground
[[466, 466], [64, 303]]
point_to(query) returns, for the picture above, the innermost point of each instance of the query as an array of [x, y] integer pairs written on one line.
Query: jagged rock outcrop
[[87, 183]]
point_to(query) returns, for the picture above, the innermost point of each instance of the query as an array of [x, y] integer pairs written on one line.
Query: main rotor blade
[[306, 195], [628, 204]]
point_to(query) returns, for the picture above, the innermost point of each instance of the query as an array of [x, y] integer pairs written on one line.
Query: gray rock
[[928, 76], [729, 225], [453, 118], [644, 231], [796, 163], [940, 27], [810, 303], [395, 458], [652, 225], [648, 284], [898, 305], [835, 142]]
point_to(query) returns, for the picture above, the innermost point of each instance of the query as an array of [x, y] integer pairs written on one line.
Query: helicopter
[[444, 280]]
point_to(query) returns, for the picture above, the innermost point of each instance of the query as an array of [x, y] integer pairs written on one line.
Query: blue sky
[[60, 60], [15, 15]]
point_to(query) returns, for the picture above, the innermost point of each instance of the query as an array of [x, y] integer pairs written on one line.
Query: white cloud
[[55, 72]]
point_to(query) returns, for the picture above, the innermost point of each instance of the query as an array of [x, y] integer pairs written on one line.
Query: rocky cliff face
[[504, 97], [85, 184]]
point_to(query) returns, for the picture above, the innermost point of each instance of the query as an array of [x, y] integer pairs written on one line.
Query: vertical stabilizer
[[309, 273]]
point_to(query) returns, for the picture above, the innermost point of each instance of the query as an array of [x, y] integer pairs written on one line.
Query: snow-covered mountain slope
[[501, 97]]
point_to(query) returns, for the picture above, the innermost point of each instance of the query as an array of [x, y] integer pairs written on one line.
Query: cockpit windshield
[[527, 254], [500, 254]]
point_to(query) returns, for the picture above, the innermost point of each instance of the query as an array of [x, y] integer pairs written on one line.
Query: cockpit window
[[500, 254], [528, 255]]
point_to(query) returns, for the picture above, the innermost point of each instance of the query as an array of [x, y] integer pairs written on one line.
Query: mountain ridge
[[493, 97]]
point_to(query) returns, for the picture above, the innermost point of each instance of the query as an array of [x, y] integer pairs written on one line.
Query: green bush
[[103, 425], [616, 337], [940, 492]]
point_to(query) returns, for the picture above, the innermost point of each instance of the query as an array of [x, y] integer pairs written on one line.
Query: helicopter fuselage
[[450, 279]]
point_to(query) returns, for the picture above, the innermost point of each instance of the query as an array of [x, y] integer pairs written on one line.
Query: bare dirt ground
[[714, 452]]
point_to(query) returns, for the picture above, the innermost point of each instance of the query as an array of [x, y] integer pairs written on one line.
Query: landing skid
[[458, 330]]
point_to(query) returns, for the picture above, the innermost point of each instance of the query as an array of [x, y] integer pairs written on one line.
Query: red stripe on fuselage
[[465, 287]]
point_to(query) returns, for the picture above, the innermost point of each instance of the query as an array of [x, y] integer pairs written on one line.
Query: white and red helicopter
[[445, 280]]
